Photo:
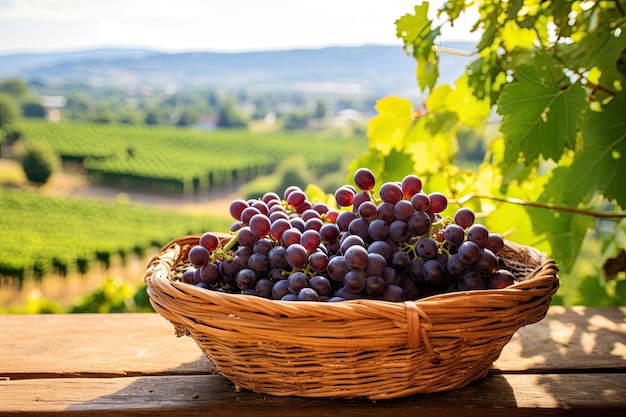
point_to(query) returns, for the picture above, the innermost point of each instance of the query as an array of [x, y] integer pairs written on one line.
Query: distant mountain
[[360, 70]]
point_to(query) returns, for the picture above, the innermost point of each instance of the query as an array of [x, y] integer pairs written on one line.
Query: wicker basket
[[356, 348]]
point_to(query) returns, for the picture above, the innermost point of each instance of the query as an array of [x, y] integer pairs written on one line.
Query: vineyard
[[186, 161], [43, 234]]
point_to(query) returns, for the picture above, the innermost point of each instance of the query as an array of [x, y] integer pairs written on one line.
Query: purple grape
[[411, 185], [337, 268], [487, 264], [344, 196], [416, 270], [420, 201], [375, 286], [380, 247], [246, 279], [209, 240], [403, 210], [394, 293], [359, 199], [236, 207], [329, 232], [296, 255], [321, 208], [313, 224], [188, 276], [248, 213], [320, 284], [297, 281], [472, 280], [263, 246], [378, 230], [259, 263], [495, 243], [434, 272], [359, 227], [289, 297], [280, 289], [354, 282], [296, 198], [246, 238], [260, 225], [276, 258], [270, 197], [290, 190], [385, 212], [376, 264], [390, 192], [427, 248], [344, 219], [400, 261], [290, 237], [199, 256], [318, 261], [438, 202], [368, 210], [501, 279], [364, 179], [311, 240], [399, 231], [464, 217], [392, 277], [308, 294], [478, 234], [350, 240], [454, 234], [356, 257], [278, 227], [469, 252], [419, 223], [455, 267], [263, 288], [296, 222]]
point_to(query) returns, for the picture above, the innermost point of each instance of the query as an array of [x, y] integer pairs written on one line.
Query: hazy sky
[[200, 25]]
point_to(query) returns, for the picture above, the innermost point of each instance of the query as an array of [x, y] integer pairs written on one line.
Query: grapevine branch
[[597, 214]]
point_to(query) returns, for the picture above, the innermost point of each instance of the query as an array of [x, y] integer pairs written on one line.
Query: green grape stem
[[550, 206], [221, 253]]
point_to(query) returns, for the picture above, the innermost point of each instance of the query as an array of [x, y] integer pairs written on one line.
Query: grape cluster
[[394, 246]]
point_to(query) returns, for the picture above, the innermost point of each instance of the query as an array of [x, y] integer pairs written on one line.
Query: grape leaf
[[540, 112], [388, 128], [602, 46], [560, 10], [418, 36], [564, 231], [599, 167]]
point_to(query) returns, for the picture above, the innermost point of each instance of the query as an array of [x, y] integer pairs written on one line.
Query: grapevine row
[[187, 160], [44, 234]]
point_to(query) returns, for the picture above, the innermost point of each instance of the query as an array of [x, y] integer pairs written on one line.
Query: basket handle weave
[[416, 333]]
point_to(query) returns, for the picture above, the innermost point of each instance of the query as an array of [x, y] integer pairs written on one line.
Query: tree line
[[209, 107]]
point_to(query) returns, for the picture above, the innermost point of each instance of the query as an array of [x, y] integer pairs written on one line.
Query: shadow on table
[[210, 394]]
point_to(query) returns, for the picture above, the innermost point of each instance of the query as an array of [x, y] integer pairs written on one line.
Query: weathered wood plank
[[547, 394], [577, 338], [34, 346]]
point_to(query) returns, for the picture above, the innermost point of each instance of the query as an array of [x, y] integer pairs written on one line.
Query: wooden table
[[571, 363]]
